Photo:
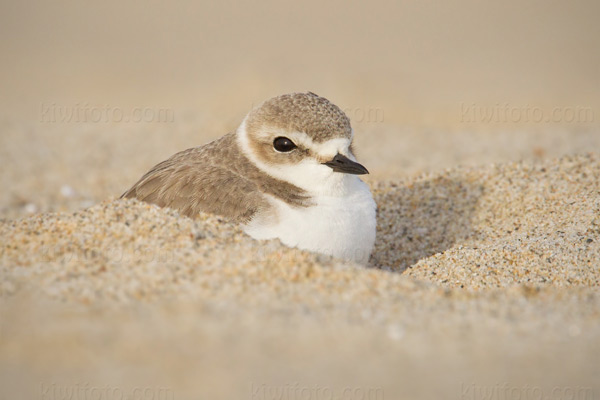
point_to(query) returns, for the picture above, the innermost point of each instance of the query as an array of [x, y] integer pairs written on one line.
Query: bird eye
[[283, 144]]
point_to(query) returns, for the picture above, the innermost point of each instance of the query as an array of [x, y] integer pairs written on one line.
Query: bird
[[288, 172]]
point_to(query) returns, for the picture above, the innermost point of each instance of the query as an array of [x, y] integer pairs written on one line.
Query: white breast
[[342, 226]]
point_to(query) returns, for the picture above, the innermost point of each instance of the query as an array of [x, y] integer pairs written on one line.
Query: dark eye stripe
[[283, 144]]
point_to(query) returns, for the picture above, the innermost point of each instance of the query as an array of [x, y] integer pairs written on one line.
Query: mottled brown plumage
[[215, 178]]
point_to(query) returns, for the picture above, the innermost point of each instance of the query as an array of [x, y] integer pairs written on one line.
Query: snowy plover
[[288, 172]]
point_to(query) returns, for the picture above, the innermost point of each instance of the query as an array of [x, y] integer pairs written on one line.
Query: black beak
[[343, 164]]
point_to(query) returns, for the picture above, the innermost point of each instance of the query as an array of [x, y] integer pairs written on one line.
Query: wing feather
[[198, 187]]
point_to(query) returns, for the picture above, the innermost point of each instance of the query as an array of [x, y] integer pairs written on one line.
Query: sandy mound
[[87, 294], [534, 224], [516, 223]]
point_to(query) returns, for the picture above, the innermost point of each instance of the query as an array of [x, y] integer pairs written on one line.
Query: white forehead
[[328, 148]]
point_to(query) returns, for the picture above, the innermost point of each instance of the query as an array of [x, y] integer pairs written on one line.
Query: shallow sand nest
[[479, 276]]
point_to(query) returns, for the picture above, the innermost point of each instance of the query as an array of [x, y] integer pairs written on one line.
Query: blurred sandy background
[[428, 85], [417, 60]]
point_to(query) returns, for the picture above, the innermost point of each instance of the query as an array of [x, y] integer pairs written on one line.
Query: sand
[[477, 120], [484, 279]]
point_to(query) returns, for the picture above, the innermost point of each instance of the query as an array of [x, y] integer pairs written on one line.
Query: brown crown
[[303, 112]]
